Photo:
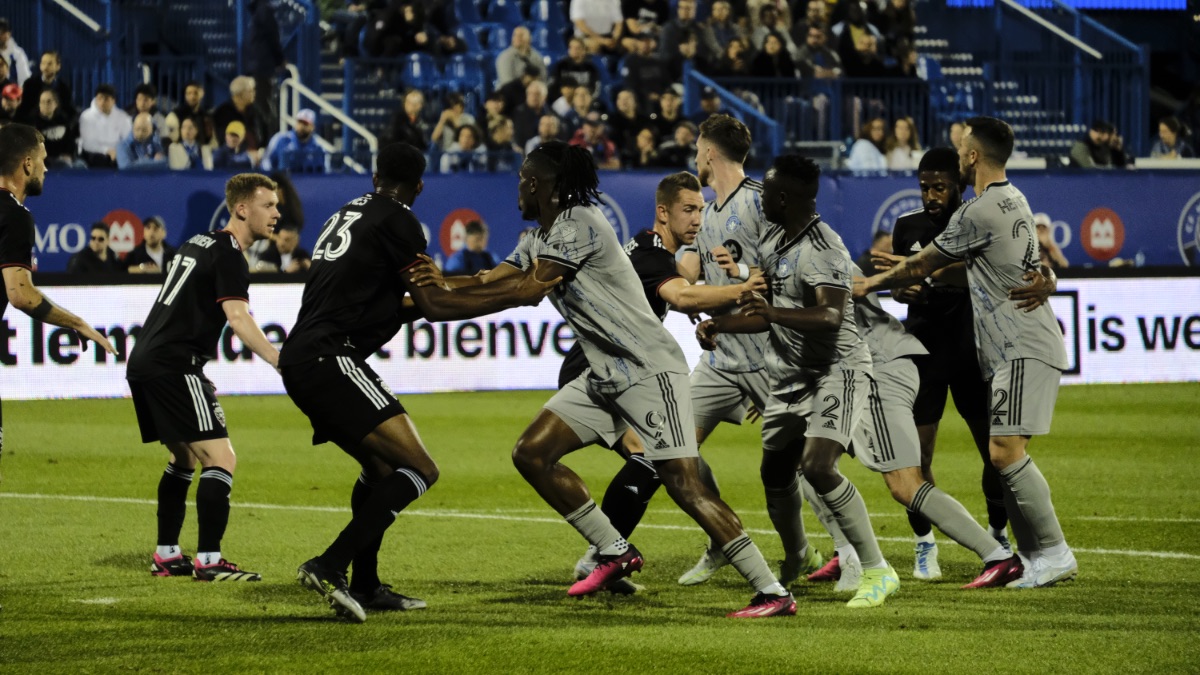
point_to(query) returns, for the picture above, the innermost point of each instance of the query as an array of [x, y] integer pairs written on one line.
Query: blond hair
[[241, 188]]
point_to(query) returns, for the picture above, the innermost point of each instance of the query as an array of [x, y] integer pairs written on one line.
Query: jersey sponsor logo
[[734, 248], [124, 231], [733, 223], [1102, 233], [615, 216], [453, 233], [1189, 231], [895, 206]]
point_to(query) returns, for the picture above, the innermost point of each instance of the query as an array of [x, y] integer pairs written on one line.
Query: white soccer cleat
[[710, 562], [1047, 571], [925, 565], [851, 573]]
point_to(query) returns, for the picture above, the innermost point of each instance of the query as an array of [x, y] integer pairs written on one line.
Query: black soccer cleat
[[385, 599], [222, 570], [179, 566]]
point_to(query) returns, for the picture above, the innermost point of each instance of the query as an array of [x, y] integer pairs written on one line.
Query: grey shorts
[[830, 405], [719, 396], [659, 409], [1023, 396], [886, 439]]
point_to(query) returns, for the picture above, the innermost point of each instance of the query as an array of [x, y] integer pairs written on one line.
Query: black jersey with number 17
[[352, 300], [16, 237], [186, 320]]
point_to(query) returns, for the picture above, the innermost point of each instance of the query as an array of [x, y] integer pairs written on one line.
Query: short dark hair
[[400, 163], [729, 136], [148, 90], [154, 220], [799, 170], [474, 227], [106, 90], [5, 27], [193, 83], [995, 138], [288, 227], [1172, 123], [99, 225], [1103, 126], [940, 159], [54, 53], [667, 193], [17, 141]]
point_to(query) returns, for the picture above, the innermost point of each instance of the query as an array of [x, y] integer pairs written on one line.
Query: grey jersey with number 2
[[737, 225], [602, 299], [994, 233]]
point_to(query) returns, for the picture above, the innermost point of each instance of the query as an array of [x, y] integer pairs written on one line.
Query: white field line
[[476, 515]]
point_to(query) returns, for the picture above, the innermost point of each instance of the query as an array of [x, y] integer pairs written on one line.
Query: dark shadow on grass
[[129, 560]]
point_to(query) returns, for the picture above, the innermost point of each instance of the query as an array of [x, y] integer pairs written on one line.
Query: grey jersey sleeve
[[963, 235], [829, 267], [520, 258], [571, 243]]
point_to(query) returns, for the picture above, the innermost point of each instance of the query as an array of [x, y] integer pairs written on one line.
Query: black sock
[[172, 503], [993, 492], [365, 577], [919, 523], [388, 497], [629, 493], [212, 507]]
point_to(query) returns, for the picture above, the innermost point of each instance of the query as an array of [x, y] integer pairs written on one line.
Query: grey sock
[[746, 559], [596, 528], [851, 514], [824, 514], [783, 506], [1026, 542], [954, 520], [1032, 495]]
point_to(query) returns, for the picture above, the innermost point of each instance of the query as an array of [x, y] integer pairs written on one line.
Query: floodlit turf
[[77, 530]]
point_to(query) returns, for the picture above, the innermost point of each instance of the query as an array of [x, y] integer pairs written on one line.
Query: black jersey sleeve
[[401, 240], [232, 276], [654, 266], [16, 238], [905, 234]]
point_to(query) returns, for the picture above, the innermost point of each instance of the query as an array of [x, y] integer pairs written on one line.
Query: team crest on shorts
[[655, 422], [219, 412]]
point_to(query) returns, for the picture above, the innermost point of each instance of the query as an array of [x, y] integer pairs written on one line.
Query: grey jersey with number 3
[[796, 268], [737, 225], [994, 233], [602, 299]]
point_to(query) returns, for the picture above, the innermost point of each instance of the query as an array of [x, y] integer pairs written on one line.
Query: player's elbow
[[23, 299], [830, 320]]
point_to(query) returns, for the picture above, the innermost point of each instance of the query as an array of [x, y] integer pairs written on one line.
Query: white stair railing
[[293, 96]]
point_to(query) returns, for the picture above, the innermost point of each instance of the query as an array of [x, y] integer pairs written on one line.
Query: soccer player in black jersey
[[353, 303], [22, 174], [206, 286]]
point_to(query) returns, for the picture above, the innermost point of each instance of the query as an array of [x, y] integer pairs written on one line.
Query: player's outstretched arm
[[237, 312], [825, 315], [910, 270], [707, 330], [690, 299], [504, 290], [26, 297], [689, 266]]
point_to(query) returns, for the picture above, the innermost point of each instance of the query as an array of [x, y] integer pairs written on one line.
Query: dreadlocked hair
[[574, 171]]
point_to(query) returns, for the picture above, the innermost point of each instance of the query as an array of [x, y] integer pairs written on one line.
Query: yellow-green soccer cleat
[[876, 585], [710, 562], [791, 569]]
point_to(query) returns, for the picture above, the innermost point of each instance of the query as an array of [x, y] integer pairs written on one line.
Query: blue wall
[[1150, 217]]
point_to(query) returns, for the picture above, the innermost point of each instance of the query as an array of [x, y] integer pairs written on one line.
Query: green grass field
[[77, 530]]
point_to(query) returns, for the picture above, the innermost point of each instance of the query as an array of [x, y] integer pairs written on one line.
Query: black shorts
[[181, 407], [958, 374], [343, 397]]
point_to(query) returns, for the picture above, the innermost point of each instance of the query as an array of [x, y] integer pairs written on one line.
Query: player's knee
[[528, 457], [776, 470], [817, 465]]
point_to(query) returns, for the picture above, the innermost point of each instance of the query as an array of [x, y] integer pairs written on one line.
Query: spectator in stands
[[882, 241], [780, 21], [771, 23], [903, 147], [670, 112], [867, 155], [710, 104], [234, 154], [473, 257], [735, 61], [503, 152], [867, 61], [101, 128], [773, 60], [10, 102], [903, 62], [1116, 147], [12, 53], [1170, 143], [724, 27], [817, 60], [599, 24], [193, 106], [955, 134], [407, 125], [816, 13], [856, 53], [5, 74], [1094, 149], [566, 91], [581, 105], [291, 211], [625, 122], [141, 149], [512, 63], [153, 254], [526, 117], [548, 130], [645, 71], [297, 150], [145, 100], [578, 66], [59, 131], [187, 153], [898, 24], [680, 151], [593, 136], [96, 257], [284, 253], [493, 108], [46, 79], [643, 17], [243, 92], [1051, 256], [264, 59], [515, 91], [689, 52], [350, 21], [644, 154], [679, 28], [453, 116], [467, 154]]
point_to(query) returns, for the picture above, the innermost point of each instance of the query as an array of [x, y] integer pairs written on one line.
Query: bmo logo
[[1102, 234], [124, 231]]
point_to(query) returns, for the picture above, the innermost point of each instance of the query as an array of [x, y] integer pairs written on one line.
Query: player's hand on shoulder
[[884, 261], [706, 334], [1036, 294]]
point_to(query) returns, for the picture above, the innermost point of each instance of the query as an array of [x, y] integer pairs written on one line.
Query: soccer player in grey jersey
[[1021, 353], [637, 378], [819, 366], [735, 372]]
